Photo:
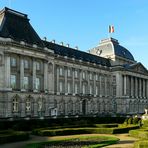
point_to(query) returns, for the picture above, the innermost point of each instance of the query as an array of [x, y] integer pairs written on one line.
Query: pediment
[[138, 67]]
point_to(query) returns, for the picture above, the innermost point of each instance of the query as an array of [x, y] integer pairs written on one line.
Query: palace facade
[[42, 79]]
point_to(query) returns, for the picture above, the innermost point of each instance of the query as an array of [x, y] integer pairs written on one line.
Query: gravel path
[[125, 141]]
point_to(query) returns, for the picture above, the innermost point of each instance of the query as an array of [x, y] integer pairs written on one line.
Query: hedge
[[22, 125], [141, 144], [143, 134], [84, 130], [12, 136]]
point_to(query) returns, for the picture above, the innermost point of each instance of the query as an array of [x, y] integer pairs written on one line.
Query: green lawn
[[76, 141]]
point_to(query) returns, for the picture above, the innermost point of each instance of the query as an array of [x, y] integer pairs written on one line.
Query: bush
[[84, 130], [135, 120], [12, 136], [130, 120], [141, 144], [142, 133]]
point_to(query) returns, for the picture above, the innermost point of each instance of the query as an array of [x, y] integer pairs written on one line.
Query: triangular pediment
[[138, 67]]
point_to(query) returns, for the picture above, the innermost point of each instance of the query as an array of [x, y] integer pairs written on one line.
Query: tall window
[[28, 104], [13, 81], [38, 84], [69, 87], [97, 90], [38, 65], [76, 88], [26, 64], [69, 72], [91, 89], [15, 104], [13, 61], [61, 71], [61, 86], [97, 77], [90, 76], [84, 88], [76, 74], [26, 82], [84, 75]]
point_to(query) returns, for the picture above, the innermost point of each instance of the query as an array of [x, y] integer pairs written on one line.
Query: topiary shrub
[[135, 120], [130, 120]]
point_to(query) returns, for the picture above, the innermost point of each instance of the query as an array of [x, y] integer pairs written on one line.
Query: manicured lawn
[[76, 141]]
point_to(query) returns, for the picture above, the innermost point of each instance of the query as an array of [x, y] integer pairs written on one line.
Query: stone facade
[[36, 81]]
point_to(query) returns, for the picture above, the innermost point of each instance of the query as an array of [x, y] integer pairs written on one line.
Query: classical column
[[57, 68], [80, 71], [125, 93], [22, 73], [73, 81], [45, 76], [105, 84], [136, 88], [100, 85], [132, 86], [94, 82], [7, 72], [147, 89], [143, 95], [88, 79], [140, 87], [34, 75], [65, 72]]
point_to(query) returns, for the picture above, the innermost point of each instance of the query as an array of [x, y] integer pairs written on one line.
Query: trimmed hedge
[[12, 136], [141, 144], [84, 130], [22, 125], [142, 133]]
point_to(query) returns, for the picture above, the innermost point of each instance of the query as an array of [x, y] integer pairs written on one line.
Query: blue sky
[[84, 23]]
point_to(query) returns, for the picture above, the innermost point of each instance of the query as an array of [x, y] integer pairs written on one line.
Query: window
[[69, 88], [69, 72], [84, 89], [13, 81], [97, 77], [26, 64], [38, 83], [91, 89], [84, 75], [61, 86], [61, 71], [26, 82], [76, 74], [76, 88], [90, 76], [15, 105], [97, 90], [28, 104], [13, 62], [38, 66]]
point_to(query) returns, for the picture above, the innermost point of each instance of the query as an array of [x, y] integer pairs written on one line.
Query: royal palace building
[[42, 79]]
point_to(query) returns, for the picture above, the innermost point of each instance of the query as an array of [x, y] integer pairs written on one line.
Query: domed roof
[[117, 49], [122, 52]]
